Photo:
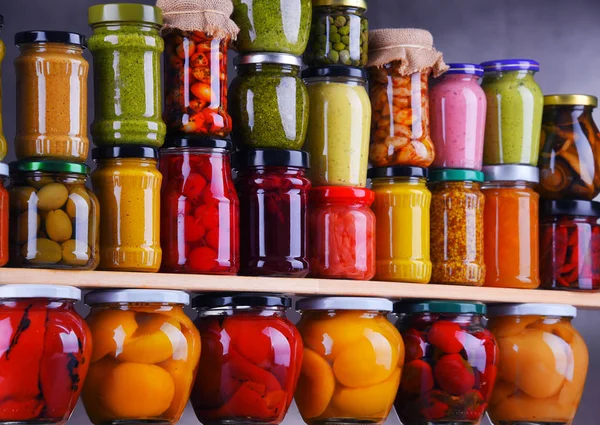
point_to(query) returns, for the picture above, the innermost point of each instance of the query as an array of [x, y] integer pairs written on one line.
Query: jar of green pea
[[339, 33]]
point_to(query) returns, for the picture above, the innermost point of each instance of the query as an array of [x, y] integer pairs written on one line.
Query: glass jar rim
[[52, 292], [344, 303], [464, 68], [137, 296], [438, 306], [531, 309], [359, 4], [511, 65], [228, 299]]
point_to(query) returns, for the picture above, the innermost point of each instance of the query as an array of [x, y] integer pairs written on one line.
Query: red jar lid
[[342, 194]]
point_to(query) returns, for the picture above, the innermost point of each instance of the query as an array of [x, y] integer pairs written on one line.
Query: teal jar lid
[[50, 167], [124, 12], [436, 306], [452, 175]]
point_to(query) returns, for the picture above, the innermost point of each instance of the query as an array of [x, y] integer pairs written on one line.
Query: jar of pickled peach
[[353, 359], [145, 356], [451, 362], [4, 212], [251, 359], [544, 364]]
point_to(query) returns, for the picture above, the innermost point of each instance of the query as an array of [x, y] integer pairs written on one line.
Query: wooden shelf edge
[[207, 283]]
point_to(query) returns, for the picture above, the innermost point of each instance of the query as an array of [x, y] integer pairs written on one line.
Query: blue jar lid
[[511, 65], [465, 68]]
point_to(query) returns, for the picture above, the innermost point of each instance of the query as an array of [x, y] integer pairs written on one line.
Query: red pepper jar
[[4, 213], [450, 365], [250, 362], [46, 350], [273, 191], [342, 229], [200, 208], [570, 245]]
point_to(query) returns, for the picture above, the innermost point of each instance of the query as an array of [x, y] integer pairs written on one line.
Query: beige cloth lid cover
[[209, 16], [412, 47]]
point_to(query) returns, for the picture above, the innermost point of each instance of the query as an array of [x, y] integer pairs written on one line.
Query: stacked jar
[[3, 173], [269, 106]]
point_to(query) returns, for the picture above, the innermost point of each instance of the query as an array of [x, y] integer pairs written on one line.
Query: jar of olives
[[55, 217], [339, 33]]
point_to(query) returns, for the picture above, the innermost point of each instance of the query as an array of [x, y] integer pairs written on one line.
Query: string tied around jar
[[212, 17]]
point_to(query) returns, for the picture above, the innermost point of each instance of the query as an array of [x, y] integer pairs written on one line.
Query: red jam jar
[[451, 362], [4, 212], [250, 362], [273, 190], [342, 229], [200, 208], [46, 350], [570, 245]]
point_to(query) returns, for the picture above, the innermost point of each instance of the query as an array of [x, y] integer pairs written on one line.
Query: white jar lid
[[531, 309], [137, 296], [345, 303], [53, 292]]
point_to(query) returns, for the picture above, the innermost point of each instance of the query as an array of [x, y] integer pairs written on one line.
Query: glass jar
[[196, 84], [272, 26], [4, 213], [570, 245], [126, 47], [339, 126], [458, 106], [457, 207], [450, 365], [200, 217], [570, 153], [3, 143], [400, 124], [342, 229], [55, 218], [514, 112], [353, 359], [544, 363], [46, 353], [251, 359], [51, 104], [511, 226], [268, 102], [339, 34], [145, 356], [127, 183], [273, 191], [401, 207]]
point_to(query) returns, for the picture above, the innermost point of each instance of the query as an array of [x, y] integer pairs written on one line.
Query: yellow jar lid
[[361, 4], [571, 100]]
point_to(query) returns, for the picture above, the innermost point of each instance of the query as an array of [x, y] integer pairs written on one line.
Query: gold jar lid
[[570, 100], [361, 4]]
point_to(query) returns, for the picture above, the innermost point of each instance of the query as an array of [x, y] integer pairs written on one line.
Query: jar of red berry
[[450, 365], [200, 208], [570, 245], [342, 228], [273, 191]]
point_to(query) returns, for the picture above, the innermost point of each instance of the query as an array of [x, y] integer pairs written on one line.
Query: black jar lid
[[1, 21], [334, 71], [398, 171], [271, 158], [49, 166], [197, 142], [125, 151], [64, 37], [570, 207], [438, 306], [229, 299]]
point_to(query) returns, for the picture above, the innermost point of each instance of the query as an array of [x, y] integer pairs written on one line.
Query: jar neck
[[125, 162], [468, 78], [508, 75], [262, 311], [466, 184], [55, 304], [268, 68], [570, 219], [288, 171], [430, 318], [333, 9], [24, 178], [67, 49], [127, 26], [195, 151], [518, 184], [414, 181], [349, 81]]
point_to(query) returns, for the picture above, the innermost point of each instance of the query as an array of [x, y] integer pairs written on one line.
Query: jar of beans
[[457, 227]]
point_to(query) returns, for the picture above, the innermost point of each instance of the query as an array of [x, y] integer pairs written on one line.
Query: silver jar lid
[[531, 309], [344, 303], [52, 292], [137, 296], [4, 170], [276, 58], [511, 173]]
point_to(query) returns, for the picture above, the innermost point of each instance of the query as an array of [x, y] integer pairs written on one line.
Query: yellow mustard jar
[[3, 144], [127, 183], [401, 208]]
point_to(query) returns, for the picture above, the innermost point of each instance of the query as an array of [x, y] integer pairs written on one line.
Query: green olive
[[75, 253], [52, 196], [58, 226], [21, 198], [78, 204], [42, 251], [28, 225]]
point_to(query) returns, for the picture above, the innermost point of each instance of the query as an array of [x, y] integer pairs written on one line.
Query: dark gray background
[[562, 34]]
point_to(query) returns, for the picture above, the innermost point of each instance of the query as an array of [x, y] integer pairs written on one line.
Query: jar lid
[[344, 303], [571, 100], [137, 296], [198, 142], [465, 68], [53, 292], [125, 151], [570, 207], [228, 299], [361, 4], [511, 65], [334, 71], [399, 171], [530, 309], [27, 37], [271, 158], [1, 20], [4, 169], [50, 166], [124, 12], [278, 58], [452, 175], [510, 173], [435, 306], [342, 193]]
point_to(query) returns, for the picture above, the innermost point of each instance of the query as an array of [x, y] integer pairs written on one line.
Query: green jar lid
[[50, 167], [451, 175], [124, 12], [435, 306]]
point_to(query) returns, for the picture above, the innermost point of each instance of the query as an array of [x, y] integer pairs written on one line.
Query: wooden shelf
[[204, 283]]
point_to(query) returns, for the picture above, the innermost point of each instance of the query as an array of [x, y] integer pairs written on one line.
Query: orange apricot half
[[111, 329], [315, 386]]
